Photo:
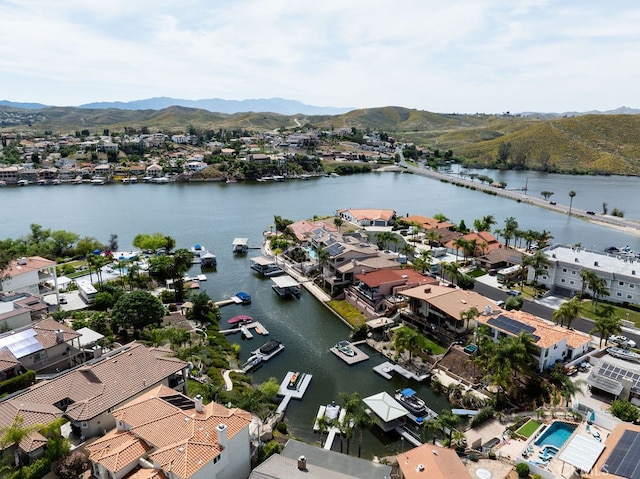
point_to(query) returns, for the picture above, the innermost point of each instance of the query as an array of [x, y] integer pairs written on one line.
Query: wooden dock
[[289, 394], [359, 357], [257, 327], [387, 369]]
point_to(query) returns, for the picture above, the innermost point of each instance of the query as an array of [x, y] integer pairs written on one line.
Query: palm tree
[[429, 430], [448, 421], [599, 289], [571, 195], [323, 424], [406, 339], [468, 315], [338, 222], [538, 263], [605, 326], [459, 244], [589, 279], [567, 312]]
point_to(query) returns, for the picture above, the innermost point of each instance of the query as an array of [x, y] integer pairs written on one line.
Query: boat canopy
[[285, 282], [407, 392]]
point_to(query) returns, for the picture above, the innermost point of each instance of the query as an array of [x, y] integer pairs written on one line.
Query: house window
[[563, 280], [629, 296], [631, 285], [619, 294], [573, 272], [621, 283], [544, 277], [572, 282], [84, 425], [564, 270]]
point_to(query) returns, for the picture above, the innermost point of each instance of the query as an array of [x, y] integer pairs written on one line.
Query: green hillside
[[580, 144]]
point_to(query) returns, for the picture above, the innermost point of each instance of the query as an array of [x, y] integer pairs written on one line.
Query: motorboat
[[240, 319], [269, 348], [408, 398], [293, 382], [345, 348], [262, 354], [245, 298], [625, 354]]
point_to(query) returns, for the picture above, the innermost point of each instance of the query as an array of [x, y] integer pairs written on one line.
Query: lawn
[[603, 309], [349, 312], [528, 428]]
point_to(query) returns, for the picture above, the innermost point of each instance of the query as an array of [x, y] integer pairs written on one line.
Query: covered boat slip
[[286, 286], [265, 266], [240, 245]]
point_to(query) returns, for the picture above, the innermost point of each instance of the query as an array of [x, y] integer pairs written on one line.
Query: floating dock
[[359, 357], [387, 369], [288, 394], [245, 332], [257, 327]]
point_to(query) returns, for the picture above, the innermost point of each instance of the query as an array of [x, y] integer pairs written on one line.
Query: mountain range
[[215, 105], [281, 106]]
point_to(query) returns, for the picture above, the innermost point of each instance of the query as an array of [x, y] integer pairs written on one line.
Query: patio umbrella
[[592, 417]]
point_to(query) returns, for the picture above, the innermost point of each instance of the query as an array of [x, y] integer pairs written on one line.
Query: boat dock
[[226, 302], [256, 326], [330, 413], [296, 393], [359, 357], [386, 369], [409, 437]]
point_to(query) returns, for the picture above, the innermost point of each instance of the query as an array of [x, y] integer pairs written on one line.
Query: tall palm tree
[[429, 430], [599, 290], [605, 326], [572, 194], [448, 421], [567, 312], [407, 339], [589, 279]]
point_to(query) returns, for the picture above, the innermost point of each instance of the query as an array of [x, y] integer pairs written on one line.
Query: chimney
[[221, 431], [302, 463], [22, 261], [198, 403], [427, 290], [59, 336]]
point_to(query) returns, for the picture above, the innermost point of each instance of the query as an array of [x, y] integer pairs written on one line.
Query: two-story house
[[163, 433], [376, 292], [29, 275], [552, 342], [368, 217], [88, 394]]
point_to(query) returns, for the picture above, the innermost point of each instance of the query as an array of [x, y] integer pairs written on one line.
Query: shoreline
[[619, 224]]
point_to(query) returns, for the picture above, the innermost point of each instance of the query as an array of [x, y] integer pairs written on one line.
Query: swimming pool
[[555, 435], [311, 252]]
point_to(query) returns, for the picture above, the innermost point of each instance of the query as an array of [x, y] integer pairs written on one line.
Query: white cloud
[[465, 56]]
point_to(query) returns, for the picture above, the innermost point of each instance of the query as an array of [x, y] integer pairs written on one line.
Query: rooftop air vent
[[576, 260]]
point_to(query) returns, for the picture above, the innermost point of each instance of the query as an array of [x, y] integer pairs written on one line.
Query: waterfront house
[[620, 272], [154, 170], [88, 394], [44, 346], [435, 306], [432, 461], [29, 275], [298, 460], [304, 230], [368, 217], [20, 309], [552, 342], [10, 174], [484, 242], [427, 223], [499, 258], [376, 292], [102, 170], [163, 433]]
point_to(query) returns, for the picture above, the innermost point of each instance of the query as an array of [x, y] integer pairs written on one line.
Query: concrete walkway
[[227, 380]]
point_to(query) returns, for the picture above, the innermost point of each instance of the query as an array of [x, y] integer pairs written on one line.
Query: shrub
[[522, 469], [624, 410], [282, 427], [72, 465], [472, 457], [17, 383]]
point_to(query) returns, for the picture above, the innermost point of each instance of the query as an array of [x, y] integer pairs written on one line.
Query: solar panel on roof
[[21, 343], [180, 401], [512, 326], [624, 461]]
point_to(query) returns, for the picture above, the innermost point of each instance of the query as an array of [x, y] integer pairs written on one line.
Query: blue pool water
[[311, 252], [555, 435]]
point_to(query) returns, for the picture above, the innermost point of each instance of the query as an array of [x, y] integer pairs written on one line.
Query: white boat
[[23, 182], [624, 354], [408, 398], [263, 354], [98, 181], [240, 245]]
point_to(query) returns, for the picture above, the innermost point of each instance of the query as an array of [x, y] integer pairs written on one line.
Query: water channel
[[213, 214]]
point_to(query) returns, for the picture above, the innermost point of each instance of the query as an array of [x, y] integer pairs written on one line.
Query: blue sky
[[462, 56]]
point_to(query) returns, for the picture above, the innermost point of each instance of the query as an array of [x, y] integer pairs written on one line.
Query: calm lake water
[[213, 214]]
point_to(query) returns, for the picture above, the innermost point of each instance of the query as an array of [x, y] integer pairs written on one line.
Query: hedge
[[17, 383]]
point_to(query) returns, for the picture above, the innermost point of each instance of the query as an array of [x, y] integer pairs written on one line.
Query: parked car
[[552, 202], [500, 303], [513, 292], [63, 299], [591, 212]]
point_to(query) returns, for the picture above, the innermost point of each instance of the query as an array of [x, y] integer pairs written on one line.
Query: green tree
[[624, 410], [567, 312], [605, 326], [270, 388], [546, 194], [572, 194], [138, 310], [63, 242], [338, 222], [150, 242], [447, 422]]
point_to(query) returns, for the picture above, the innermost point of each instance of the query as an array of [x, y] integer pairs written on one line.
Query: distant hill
[[574, 144], [215, 105]]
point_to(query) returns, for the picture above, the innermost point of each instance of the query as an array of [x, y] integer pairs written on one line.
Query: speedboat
[[345, 348], [241, 319], [293, 382], [407, 397]]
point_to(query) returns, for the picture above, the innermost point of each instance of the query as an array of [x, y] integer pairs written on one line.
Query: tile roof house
[[427, 223], [499, 258], [304, 230], [441, 306], [484, 241], [368, 217], [433, 462], [28, 275], [88, 394], [167, 434], [552, 342], [20, 309], [44, 346], [376, 292], [304, 461]]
